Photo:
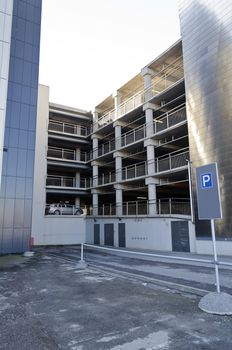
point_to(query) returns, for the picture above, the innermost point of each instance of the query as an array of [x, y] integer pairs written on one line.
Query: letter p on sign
[[206, 181]]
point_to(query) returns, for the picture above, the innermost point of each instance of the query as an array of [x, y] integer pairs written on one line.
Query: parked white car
[[63, 209]]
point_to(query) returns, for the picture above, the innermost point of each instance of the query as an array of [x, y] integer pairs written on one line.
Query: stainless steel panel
[[206, 28]]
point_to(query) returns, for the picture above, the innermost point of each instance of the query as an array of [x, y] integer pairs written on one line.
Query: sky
[[89, 48]]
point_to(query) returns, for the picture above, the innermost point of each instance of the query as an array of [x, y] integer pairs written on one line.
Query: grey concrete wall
[[206, 29]]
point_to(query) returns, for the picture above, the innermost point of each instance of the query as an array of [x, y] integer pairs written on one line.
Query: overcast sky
[[89, 48]]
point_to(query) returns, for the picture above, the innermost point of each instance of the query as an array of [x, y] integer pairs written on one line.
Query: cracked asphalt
[[46, 302]]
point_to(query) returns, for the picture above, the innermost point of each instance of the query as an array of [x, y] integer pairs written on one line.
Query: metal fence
[[172, 161], [67, 128], [61, 153]]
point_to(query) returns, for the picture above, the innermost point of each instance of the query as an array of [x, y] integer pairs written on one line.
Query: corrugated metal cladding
[[20, 125], [206, 28]]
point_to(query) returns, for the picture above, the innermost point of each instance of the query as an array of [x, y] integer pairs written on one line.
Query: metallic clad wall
[[206, 28], [20, 124]]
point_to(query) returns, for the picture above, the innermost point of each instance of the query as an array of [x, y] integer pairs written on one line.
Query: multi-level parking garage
[[126, 164], [140, 143]]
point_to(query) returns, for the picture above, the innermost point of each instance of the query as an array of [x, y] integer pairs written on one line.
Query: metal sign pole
[[215, 256]]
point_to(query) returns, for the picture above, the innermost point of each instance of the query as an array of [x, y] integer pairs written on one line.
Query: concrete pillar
[[149, 122], [119, 201], [78, 154], [117, 102], [77, 177], [147, 78], [77, 202], [95, 147], [95, 174], [118, 168], [150, 160], [95, 203], [118, 134], [152, 207], [95, 121]]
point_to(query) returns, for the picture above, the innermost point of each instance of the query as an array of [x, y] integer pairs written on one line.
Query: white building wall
[[39, 188], [59, 230], [6, 14], [141, 233]]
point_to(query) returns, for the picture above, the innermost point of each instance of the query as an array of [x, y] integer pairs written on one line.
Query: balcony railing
[[166, 206], [85, 182], [172, 161], [65, 181], [67, 128], [135, 170], [133, 135], [106, 118], [61, 153], [106, 147], [86, 156], [131, 103], [106, 178], [167, 77], [169, 119]]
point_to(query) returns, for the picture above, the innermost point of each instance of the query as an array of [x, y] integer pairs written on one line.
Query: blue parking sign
[[206, 180], [208, 193]]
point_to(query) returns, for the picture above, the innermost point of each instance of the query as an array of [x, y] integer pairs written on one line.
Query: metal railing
[[169, 119], [165, 206], [85, 182], [106, 118], [60, 181], [167, 77], [135, 170], [172, 161], [61, 153], [106, 147], [106, 178], [66, 181], [86, 156], [67, 128], [131, 103], [133, 135]]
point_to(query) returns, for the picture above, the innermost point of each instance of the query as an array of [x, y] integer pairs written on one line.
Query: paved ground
[[47, 303]]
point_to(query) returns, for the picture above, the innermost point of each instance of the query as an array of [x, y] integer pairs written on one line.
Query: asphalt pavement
[[46, 302]]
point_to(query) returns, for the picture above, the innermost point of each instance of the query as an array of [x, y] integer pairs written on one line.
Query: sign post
[[209, 203]]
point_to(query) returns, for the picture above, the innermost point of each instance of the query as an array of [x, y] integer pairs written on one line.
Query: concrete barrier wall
[[206, 247], [60, 230], [141, 233]]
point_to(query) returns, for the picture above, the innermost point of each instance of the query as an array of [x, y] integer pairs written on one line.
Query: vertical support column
[[95, 173], [152, 205], [77, 202], [119, 199], [147, 78], [95, 146], [118, 167], [78, 154], [95, 203], [119, 202], [117, 102], [95, 121], [77, 178], [118, 134]]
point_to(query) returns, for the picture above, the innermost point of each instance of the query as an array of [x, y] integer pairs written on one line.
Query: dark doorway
[[122, 235], [180, 236], [97, 234], [109, 234]]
